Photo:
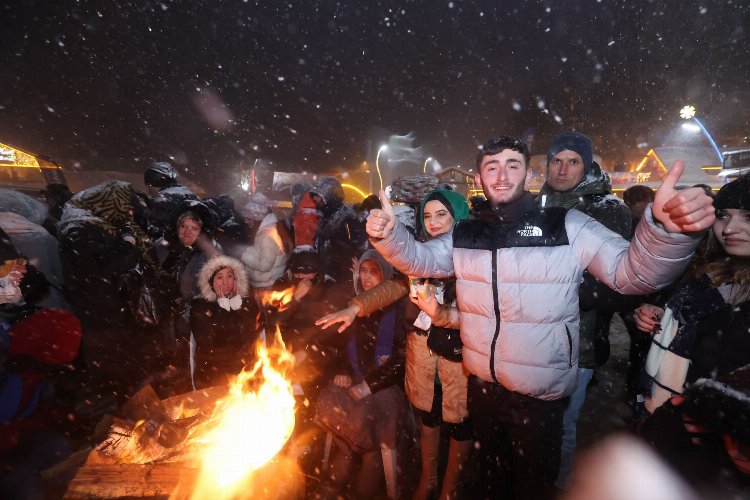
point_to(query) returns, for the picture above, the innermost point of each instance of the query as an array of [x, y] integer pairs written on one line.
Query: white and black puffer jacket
[[517, 287]]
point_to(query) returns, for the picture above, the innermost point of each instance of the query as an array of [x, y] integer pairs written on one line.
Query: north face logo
[[528, 230]]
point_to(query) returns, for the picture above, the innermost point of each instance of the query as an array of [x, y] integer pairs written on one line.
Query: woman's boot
[[458, 452], [429, 444]]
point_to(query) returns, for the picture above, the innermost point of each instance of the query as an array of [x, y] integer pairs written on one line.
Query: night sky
[[319, 86]]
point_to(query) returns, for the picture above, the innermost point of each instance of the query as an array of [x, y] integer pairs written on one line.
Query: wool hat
[[573, 141], [50, 336], [736, 194], [257, 207]]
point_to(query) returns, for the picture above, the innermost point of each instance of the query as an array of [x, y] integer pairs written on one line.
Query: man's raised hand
[[381, 222], [685, 211]]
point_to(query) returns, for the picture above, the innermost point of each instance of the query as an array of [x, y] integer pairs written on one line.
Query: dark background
[[317, 86]]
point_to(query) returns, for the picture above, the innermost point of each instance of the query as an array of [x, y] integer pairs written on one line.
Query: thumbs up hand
[[381, 222], [684, 211]]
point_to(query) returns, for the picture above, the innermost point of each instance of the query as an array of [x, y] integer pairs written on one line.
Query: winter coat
[[593, 196], [306, 222], [182, 265], [371, 360], [701, 335], [94, 254], [224, 339], [340, 237], [265, 260], [517, 285], [41, 250]]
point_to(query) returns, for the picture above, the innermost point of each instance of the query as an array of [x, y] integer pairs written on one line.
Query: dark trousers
[[518, 442]]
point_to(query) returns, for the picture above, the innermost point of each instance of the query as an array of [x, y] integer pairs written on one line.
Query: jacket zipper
[[570, 346], [496, 301]]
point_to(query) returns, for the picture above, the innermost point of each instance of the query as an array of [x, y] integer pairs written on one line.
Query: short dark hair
[[498, 145], [636, 194]]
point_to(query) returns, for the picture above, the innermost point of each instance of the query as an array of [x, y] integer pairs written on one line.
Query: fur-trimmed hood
[[214, 265]]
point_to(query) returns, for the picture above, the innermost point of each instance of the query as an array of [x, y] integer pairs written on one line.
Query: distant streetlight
[[688, 113], [424, 169], [377, 164]]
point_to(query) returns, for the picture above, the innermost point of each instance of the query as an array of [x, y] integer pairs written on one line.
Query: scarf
[[230, 304], [383, 344], [595, 182]]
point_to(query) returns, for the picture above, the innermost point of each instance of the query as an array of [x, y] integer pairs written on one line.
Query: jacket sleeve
[[379, 297], [392, 372], [652, 260], [431, 259], [261, 256], [593, 294], [447, 316]]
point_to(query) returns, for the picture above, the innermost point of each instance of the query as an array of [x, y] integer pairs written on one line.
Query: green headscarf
[[454, 202]]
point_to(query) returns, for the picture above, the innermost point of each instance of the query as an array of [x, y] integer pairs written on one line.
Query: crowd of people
[[468, 330]]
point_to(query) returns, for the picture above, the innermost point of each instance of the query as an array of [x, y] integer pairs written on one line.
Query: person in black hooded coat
[[166, 196], [223, 322], [341, 235]]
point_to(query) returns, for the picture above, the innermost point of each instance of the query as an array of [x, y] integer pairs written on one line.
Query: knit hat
[[454, 202], [573, 141], [257, 207], [160, 174], [736, 194], [50, 336]]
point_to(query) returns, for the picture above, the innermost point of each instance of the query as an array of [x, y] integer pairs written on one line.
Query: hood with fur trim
[[214, 265]]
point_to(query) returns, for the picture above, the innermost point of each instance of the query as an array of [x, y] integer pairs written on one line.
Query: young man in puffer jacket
[[518, 269]]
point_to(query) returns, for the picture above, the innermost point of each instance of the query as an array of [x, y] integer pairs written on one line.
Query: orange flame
[[279, 300], [248, 427]]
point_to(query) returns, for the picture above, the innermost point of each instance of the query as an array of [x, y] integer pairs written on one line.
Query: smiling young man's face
[[503, 177]]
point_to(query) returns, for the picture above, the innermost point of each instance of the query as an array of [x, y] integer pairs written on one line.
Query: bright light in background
[[355, 189], [687, 112], [377, 164], [424, 169], [691, 127]]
